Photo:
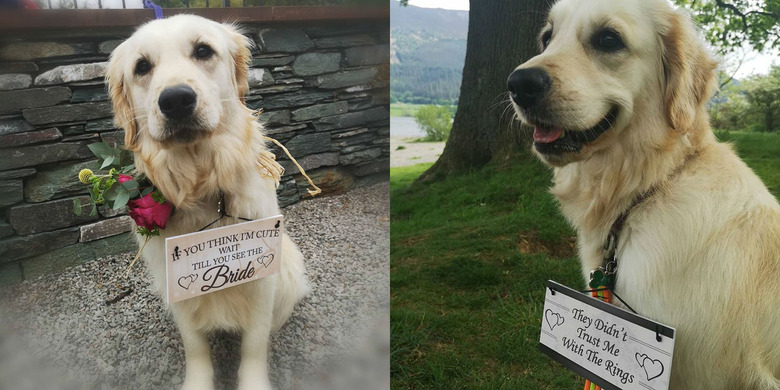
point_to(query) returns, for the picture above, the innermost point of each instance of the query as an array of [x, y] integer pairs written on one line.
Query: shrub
[[435, 121]]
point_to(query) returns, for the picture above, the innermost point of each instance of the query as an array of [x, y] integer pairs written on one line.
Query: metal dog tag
[[611, 347], [212, 260]]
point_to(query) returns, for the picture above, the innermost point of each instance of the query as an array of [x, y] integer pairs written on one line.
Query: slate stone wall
[[323, 89]]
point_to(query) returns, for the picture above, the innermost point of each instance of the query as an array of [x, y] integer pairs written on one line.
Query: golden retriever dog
[[617, 99], [177, 87]]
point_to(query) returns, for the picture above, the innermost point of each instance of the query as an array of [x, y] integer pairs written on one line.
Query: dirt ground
[[413, 152]]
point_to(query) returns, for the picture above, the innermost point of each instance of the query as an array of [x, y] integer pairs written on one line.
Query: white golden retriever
[[617, 98], [177, 87]]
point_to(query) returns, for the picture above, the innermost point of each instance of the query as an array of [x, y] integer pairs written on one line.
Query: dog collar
[[603, 277]]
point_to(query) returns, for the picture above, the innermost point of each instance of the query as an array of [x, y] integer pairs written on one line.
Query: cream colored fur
[[703, 253], [224, 157]]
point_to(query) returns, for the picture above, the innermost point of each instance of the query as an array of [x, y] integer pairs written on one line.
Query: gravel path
[[58, 332]]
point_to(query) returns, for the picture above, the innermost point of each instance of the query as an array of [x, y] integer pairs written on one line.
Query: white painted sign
[[212, 260], [613, 348]]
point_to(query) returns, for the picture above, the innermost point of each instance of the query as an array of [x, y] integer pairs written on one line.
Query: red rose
[[124, 178], [148, 213]]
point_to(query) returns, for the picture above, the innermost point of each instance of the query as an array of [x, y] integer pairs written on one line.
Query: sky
[[754, 63]]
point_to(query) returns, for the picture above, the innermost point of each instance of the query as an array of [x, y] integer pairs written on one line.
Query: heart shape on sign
[[266, 260], [653, 367], [186, 281], [553, 319]]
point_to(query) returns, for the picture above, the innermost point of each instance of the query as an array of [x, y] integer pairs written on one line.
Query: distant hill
[[427, 51]]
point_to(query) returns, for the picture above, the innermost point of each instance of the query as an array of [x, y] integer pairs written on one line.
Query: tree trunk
[[502, 35]]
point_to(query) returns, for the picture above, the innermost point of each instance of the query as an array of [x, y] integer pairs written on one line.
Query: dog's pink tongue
[[545, 136]]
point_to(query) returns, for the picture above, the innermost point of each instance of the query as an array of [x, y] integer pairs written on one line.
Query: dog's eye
[[546, 37], [203, 52], [607, 41], [142, 67]]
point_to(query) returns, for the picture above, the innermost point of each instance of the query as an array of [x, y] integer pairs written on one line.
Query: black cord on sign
[[206, 227], [624, 302], [222, 212]]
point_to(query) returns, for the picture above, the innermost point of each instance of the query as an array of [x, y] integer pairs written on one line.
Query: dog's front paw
[[197, 384], [253, 381], [254, 386]]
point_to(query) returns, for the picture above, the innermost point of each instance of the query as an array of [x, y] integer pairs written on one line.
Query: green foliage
[[728, 24], [763, 94], [730, 110], [752, 104], [105, 189], [148, 233], [101, 185], [110, 157], [78, 208], [158, 197], [428, 52], [435, 121], [419, 84]]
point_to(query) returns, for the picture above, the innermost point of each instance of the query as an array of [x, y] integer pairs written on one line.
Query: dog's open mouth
[[556, 140]]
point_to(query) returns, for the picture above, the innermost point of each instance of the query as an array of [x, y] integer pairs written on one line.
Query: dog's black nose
[[177, 102], [528, 86]]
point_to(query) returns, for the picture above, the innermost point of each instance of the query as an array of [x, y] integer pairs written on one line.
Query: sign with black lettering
[[212, 260], [613, 348]]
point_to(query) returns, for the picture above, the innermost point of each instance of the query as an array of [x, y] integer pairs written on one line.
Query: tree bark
[[769, 120], [502, 35]]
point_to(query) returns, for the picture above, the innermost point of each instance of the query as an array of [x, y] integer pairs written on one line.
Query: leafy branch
[[107, 189]]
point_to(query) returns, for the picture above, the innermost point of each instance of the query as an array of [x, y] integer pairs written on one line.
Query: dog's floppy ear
[[689, 72], [123, 105], [242, 56]]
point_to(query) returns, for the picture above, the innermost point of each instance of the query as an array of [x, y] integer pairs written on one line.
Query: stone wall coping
[[22, 19]]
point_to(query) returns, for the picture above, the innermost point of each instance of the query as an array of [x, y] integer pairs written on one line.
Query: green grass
[[761, 151], [469, 258], [404, 109], [467, 279]]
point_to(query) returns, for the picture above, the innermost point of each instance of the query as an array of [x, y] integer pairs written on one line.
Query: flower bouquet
[[115, 189]]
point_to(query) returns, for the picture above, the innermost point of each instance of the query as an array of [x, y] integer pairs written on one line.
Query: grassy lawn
[[761, 151], [469, 258], [404, 109]]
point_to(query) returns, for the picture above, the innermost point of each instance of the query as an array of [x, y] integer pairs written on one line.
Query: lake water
[[404, 126]]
